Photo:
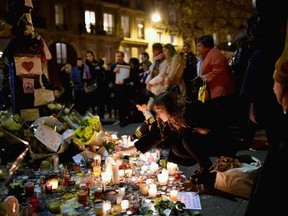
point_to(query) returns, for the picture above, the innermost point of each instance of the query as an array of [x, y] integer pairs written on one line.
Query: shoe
[[203, 176]]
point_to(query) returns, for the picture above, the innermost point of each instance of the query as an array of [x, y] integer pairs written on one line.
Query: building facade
[[70, 27]]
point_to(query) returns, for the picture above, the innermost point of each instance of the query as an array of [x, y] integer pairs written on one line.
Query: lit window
[[61, 53], [173, 39], [90, 21], [125, 26], [140, 28], [60, 11], [108, 23]]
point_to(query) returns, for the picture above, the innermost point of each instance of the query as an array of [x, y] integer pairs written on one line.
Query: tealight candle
[[124, 204], [154, 167], [171, 168], [162, 179], [106, 177], [152, 192]]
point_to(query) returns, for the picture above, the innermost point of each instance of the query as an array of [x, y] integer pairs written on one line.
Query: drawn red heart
[[28, 65]]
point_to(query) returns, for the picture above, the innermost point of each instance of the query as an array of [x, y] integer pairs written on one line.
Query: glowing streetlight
[[156, 17]]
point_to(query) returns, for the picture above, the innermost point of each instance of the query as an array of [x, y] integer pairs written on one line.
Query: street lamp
[[156, 17]]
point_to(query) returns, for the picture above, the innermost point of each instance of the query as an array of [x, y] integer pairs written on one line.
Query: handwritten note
[[190, 199], [47, 136]]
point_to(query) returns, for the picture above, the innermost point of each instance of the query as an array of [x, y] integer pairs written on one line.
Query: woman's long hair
[[175, 106]]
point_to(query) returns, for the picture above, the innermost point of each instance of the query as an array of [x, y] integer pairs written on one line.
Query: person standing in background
[[145, 60], [121, 91], [215, 70], [76, 76], [190, 70], [93, 76], [66, 83]]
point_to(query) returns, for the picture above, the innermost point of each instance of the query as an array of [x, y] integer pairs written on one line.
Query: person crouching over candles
[[191, 130]]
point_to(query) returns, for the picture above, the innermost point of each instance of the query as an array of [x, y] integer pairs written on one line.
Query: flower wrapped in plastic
[[91, 136]]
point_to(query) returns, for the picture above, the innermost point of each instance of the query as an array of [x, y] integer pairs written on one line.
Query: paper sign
[[77, 158], [123, 73], [47, 136], [30, 114], [43, 96], [190, 199], [28, 85], [28, 65]]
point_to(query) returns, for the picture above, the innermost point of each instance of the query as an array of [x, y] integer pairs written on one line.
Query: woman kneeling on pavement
[[192, 130]]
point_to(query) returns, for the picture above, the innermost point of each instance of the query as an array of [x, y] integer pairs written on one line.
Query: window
[[159, 37], [90, 21], [125, 26], [172, 17], [140, 28], [60, 14], [173, 39], [108, 23], [61, 53]]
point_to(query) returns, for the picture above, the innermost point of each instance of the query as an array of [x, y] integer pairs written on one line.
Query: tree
[[222, 17]]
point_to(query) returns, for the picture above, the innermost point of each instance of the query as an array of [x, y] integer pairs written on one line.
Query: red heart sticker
[[28, 65]]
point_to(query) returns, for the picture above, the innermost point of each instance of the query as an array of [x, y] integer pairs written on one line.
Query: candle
[[172, 168], [82, 196], [124, 204], [154, 167], [121, 173], [97, 171], [29, 189], [162, 179], [115, 171], [106, 177], [152, 191], [143, 189], [128, 172], [48, 188], [173, 195], [53, 180], [107, 206], [97, 160]]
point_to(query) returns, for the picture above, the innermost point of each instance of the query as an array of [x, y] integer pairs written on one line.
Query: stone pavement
[[212, 204]]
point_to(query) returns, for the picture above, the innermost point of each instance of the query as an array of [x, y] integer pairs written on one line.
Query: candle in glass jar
[[173, 195], [48, 188], [152, 191], [29, 189], [106, 177], [97, 171], [162, 179], [124, 204]]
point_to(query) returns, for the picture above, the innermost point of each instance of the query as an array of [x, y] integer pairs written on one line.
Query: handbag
[[91, 86], [236, 176], [203, 94]]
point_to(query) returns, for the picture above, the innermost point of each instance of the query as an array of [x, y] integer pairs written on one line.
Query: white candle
[[162, 178], [106, 177], [152, 192], [172, 168], [107, 206], [121, 173], [124, 204], [154, 167]]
